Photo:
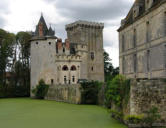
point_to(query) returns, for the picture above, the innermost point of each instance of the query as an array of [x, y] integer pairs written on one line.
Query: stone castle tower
[[90, 34], [80, 57]]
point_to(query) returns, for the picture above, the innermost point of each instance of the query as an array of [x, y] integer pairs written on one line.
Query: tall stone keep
[[91, 35]]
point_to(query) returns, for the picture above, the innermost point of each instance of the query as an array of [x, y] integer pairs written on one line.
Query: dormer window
[[137, 10]]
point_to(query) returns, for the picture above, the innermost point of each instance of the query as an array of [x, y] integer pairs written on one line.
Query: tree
[[22, 66], [109, 70], [7, 41]]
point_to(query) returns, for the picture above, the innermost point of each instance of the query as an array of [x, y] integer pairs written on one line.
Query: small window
[[148, 60], [123, 43], [92, 56], [52, 81], [49, 43], [73, 79], [63, 50], [65, 79], [73, 68], [92, 68], [65, 68], [37, 43], [134, 38], [82, 46], [135, 62]]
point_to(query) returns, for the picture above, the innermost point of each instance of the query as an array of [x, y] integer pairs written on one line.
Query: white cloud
[[23, 15]]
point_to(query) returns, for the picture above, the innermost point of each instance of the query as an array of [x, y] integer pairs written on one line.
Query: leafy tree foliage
[[41, 90], [109, 70], [15, 61], [117, 91], [6, 51], [90, 92], [22, 66]]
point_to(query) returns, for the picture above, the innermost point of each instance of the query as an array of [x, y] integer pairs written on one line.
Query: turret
[[42, 29]]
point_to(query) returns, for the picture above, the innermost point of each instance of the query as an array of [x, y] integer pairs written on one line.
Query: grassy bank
[[30, 113]]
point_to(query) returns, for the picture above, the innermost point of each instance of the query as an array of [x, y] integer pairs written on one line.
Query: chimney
[[41, 30], [59, 43], [67, 44]]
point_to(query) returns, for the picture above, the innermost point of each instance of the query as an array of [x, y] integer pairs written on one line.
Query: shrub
[[117, 90], [134, 119], [148, 120], [116, 114], [41, 90], [90, 92], [152, 116]]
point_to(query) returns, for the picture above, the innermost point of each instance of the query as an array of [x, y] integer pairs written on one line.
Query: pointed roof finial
[[41, 13]]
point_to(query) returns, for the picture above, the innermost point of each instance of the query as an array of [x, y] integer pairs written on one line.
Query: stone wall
[[147, 93], [91, 34], [65, 93], [145, 42]]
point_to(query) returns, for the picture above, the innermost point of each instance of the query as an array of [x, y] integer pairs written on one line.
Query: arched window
[[65, 68], [73, 68]]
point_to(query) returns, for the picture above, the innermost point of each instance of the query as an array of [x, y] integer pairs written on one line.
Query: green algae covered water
[[30, 113]]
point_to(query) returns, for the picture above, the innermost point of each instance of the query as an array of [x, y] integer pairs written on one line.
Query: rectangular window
[[135, 62], [123, 43], [65, 79], [148, 60], [165, 55], [73, 79], [92, 55], [134, 39], [147, 32], [165, 23], [52, 81], [123, 65]]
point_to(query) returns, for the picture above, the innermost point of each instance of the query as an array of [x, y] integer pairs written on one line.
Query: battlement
[[68, 58], [86, 24]]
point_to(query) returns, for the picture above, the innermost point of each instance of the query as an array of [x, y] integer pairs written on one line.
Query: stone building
[[142, 40], [142, 44], [64, 63]]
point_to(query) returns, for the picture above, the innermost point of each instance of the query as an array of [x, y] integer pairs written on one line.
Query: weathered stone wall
[[145, 36], [147, 93], [91, 34], [65, 93]]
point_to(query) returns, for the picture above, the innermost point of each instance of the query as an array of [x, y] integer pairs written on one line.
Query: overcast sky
[[23, 15]]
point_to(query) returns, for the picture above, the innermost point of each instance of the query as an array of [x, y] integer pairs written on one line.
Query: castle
[[80, 57], [142, 40]]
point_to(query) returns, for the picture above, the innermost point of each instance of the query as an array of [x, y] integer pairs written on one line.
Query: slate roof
[[46, 31], [129, 18]]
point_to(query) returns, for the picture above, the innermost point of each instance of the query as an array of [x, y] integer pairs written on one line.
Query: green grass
[[30, 113]]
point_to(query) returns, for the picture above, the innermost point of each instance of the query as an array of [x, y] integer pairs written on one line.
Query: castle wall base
[[65, 93], [147, 93]]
